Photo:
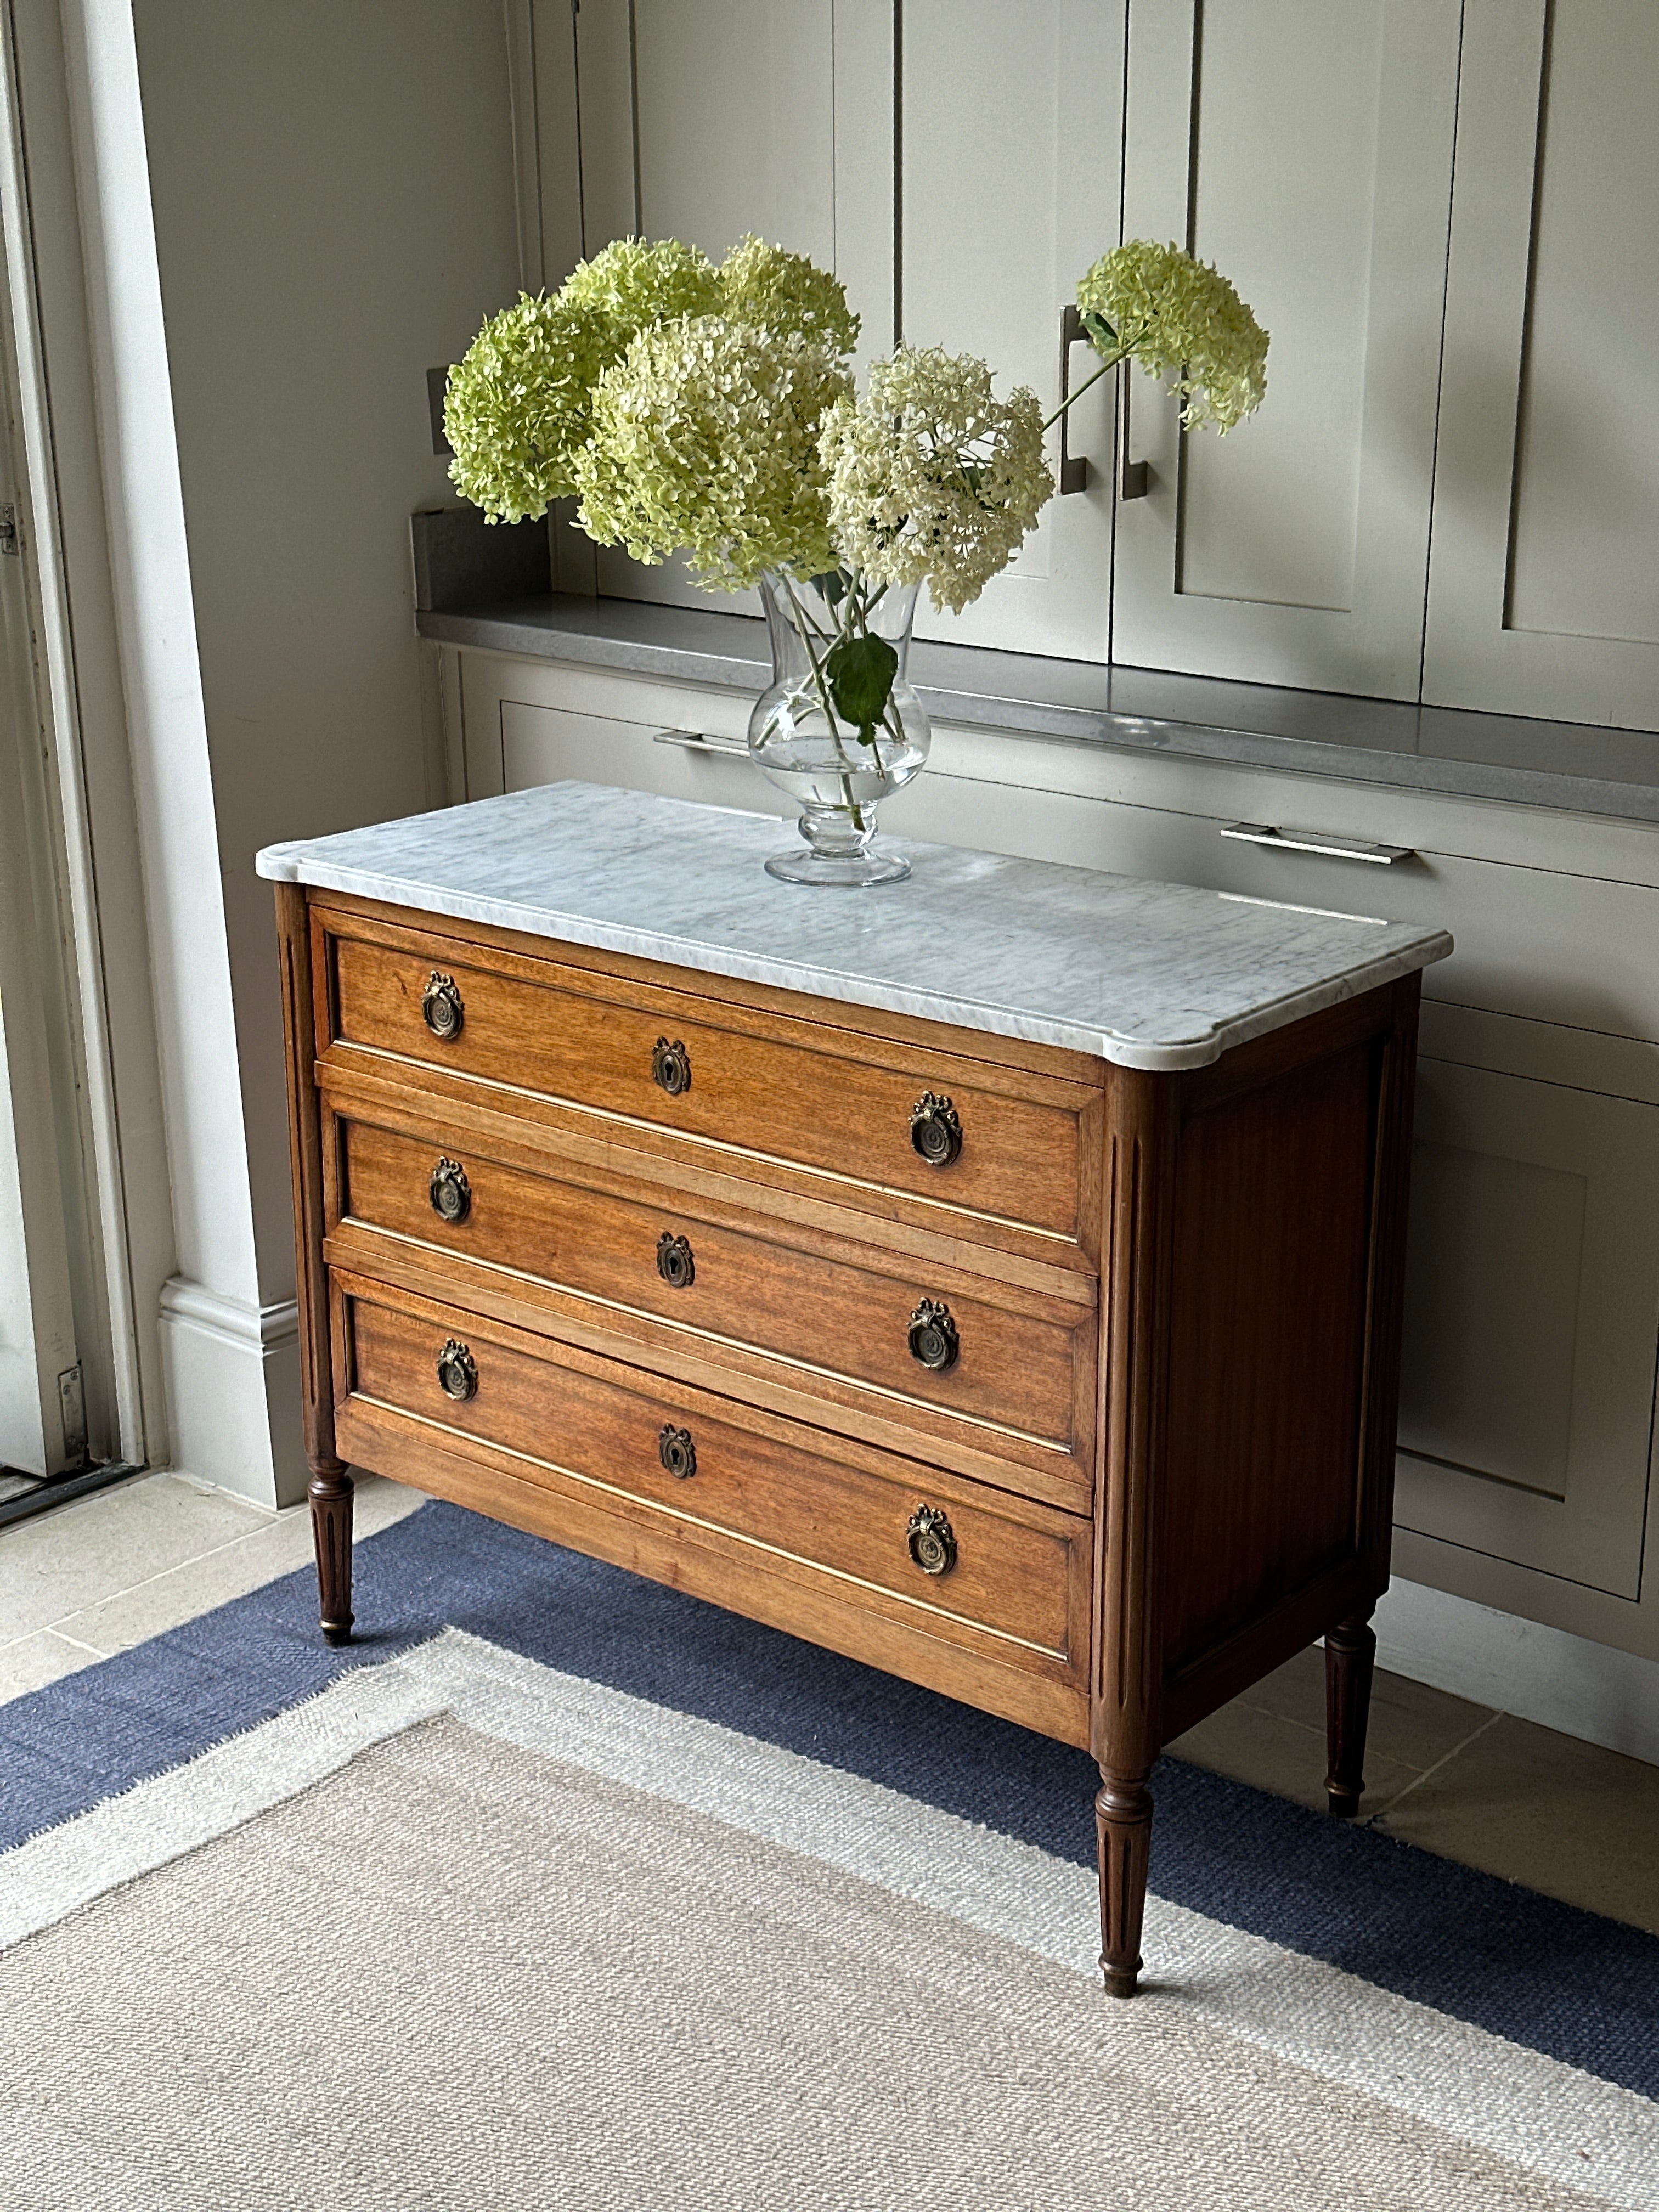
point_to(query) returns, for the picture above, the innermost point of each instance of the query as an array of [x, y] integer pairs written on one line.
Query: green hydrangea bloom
[[635, 283], [516, 407], [706, 442], [1177, 316], [760, 284]]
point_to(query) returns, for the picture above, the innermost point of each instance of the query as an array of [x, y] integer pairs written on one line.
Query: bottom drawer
[[954, 1582]]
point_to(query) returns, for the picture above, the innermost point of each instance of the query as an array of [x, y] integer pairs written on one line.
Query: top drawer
[[878, 1114]]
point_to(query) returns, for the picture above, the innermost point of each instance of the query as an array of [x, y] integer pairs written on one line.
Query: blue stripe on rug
[[1564, 1982]]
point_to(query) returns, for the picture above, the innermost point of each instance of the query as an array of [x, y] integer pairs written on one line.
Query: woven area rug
[[570, 1891]]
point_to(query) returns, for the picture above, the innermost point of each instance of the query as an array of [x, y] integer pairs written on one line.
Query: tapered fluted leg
[[1350, 1655], [1123, 1822], [331, 1535]]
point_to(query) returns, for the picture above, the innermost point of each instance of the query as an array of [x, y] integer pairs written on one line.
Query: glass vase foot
[[848, 871]]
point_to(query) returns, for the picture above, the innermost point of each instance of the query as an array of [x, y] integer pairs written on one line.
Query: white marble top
[[1149, 974]]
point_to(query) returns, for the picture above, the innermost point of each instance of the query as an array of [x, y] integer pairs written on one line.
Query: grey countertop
[[1150, 975], [1577, 767]]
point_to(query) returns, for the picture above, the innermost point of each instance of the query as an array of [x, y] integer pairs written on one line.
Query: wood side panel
[[376, 921], [1289, 1624], [1273, 1227], [1385, 1318], [813, 1100], [835, 1306], [305, 1164], [1137, 1202]]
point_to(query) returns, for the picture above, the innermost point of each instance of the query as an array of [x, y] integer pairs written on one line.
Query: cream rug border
[[1551, 2118]]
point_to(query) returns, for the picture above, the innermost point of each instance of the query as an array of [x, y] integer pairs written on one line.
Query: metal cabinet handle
[[1073, 470], [671, 1066], [457, 1370], [441, 1007], [1131, 475], [1331, 849], [930, 1540], [699, 741], [450, 1192], [935, 1130], [933, 1340], [677, 1451], [674, 1262]]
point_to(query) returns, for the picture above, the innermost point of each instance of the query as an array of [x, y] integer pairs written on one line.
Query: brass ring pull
[[677, 1451], [450, 1192], [935, 1130], [933, 1340], [457, 1370], [441, 1009], [931, 1541], [671, 1066], [674, 1262]]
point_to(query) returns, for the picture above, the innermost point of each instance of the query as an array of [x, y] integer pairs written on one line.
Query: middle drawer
[[870, 1335]]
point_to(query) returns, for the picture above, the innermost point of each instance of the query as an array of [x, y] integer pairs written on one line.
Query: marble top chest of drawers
[[995, 1277]]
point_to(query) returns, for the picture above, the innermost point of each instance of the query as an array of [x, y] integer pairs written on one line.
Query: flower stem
[[803, 628], [1127, 346], [1072, 398]]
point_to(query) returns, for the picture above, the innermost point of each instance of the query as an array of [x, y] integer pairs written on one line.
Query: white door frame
[[58, 686]]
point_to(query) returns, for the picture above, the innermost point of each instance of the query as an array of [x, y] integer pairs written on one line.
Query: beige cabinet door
[[1010, 132], [1532, 1322], [705, 119], [1306, 150], [1544, 573]]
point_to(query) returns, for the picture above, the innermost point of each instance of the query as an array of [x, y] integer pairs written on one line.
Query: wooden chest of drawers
[[1061, 1386]]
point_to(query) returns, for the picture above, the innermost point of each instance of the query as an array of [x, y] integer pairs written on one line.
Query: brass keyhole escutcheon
[[933, 1340], [450, 1192], [671, 1066], [674, 1262], [935, 1130], [677, 1451], [457, 1370], [930, 1540], [441, 1007]]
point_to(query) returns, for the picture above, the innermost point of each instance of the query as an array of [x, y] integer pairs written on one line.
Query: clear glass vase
[[804, 742]]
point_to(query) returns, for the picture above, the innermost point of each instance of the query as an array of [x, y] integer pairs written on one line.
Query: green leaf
[[1100, 334], [831, 586], [860, 670]]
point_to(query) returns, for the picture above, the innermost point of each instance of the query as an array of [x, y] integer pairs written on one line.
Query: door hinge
[[72, 1404], [8, 528]]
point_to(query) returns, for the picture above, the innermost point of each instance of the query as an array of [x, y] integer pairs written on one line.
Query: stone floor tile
[[1411, 1724], [1284, 1756], [279, 1544], [70, 1557], [1564, 1817], [33, 1661]]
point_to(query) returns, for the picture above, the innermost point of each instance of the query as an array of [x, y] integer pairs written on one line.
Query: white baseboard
[[232, 1378], [1543, 1674]]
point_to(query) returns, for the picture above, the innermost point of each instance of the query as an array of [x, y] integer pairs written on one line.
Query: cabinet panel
[[1544, 579], [704, 119], [1307, 151], [1532, 1319], [1010, 150]]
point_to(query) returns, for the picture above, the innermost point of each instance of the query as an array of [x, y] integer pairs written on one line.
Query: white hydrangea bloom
[[705, 441], [932, 478], [1177, 316]]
